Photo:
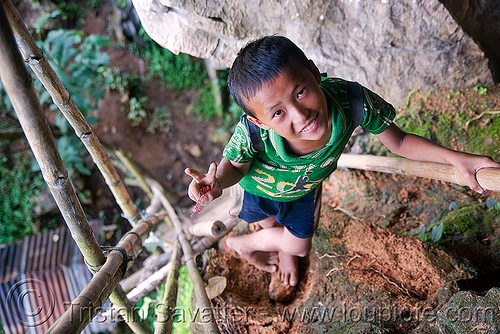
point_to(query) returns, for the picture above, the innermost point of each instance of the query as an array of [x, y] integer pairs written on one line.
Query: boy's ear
[[257, 122], [315, 71]]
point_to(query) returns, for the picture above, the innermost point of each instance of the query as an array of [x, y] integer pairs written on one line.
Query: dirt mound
[[358, 274], [399, 264]]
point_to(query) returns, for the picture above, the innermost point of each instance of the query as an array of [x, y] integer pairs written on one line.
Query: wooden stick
[[208, 229], [135, 173], [488, 178], [202, 301], [33, 55], [151, 265], [165, 317]]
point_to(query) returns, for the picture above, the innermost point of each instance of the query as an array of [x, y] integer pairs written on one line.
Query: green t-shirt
[[281, 176]]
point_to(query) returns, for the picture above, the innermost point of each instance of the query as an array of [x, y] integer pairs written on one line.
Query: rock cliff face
[[391, 47], [481, 20]]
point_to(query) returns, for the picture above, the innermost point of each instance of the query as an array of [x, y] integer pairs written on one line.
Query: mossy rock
[[475, 220], [467, 312]]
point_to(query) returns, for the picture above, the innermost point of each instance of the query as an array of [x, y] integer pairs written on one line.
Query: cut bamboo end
[[208, 229]]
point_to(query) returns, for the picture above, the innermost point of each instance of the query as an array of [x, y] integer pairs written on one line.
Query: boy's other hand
[[200, 180], [469, 164]]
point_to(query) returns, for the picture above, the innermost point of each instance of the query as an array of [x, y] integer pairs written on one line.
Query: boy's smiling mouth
[[311, 127]]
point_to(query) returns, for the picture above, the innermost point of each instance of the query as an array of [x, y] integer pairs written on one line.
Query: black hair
[[259, 62]]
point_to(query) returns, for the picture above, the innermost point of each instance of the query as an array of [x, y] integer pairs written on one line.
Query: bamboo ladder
[[108, 270]]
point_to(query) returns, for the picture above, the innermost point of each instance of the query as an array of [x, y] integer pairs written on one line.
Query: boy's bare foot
[[288, 268], [266, 261]]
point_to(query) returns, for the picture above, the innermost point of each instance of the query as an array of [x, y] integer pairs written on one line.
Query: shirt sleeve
[[239, 148], [379, 114]]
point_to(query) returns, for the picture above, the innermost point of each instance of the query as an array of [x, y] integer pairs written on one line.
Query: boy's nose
[[300, 114]]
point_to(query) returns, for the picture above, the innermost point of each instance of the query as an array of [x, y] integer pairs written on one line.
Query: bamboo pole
[[91, 299], [143, 288], [488, 178], [135, 173], [165, 317], [19, 86], [150, 265], [202, 300], [205, 242], [33, 56], [127, 164], [208, 229]]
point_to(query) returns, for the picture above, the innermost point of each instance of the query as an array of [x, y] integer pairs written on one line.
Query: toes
[[269, 268]]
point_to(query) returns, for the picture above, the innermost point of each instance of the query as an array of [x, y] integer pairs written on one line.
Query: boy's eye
[[277, 113], [299, 94]]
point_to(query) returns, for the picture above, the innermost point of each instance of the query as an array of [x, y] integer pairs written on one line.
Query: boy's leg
[[254, 247]]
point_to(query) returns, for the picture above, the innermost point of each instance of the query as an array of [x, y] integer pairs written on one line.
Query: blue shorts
[[297, 216]]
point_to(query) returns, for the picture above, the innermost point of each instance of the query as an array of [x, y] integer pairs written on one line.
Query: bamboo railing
[[202, 300], [91, 299], [19, 86], [488, 178]]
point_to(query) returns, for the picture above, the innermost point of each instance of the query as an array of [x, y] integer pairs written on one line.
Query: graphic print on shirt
[[288, 189]]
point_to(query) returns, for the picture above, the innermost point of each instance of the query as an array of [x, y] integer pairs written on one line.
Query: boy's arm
[[228, 173], [418, 148]]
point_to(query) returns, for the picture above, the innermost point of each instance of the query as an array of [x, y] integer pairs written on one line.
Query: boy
[[304, 121]]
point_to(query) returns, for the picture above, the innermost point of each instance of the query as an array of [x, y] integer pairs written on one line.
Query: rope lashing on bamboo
[[33, 56]]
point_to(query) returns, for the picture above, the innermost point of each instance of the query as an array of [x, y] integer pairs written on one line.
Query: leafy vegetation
[[149, 305], [131, 87], [78, 62], [18, 186], [465, 122], [176, 71], [183, 301], [473, 220], [182, 72]]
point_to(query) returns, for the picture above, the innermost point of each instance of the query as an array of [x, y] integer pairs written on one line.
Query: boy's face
[[294, 106]]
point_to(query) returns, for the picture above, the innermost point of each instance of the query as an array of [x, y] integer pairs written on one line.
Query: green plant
[[78, 63], [183, 301], [159, 119], [175, 71], [136, 112], [474, 220], [481, 90], [18, 185], [139, 112], [148, 306]]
